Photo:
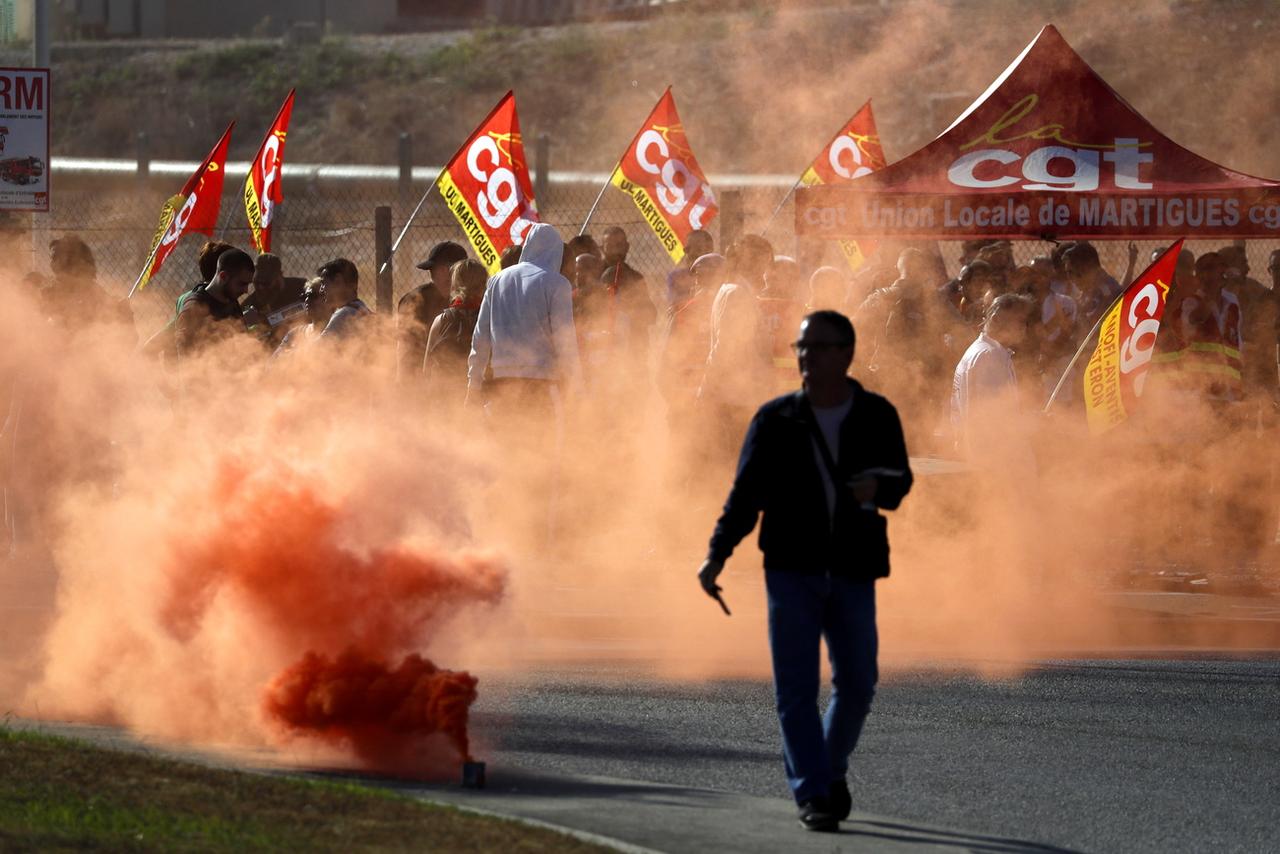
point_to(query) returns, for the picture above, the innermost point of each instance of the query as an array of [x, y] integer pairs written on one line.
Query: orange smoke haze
[[259, 552]]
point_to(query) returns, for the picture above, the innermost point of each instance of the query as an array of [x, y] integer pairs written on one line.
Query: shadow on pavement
[[531, 788], [890, 831]]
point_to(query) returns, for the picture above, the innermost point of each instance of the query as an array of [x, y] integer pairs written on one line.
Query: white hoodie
[[525, 328]]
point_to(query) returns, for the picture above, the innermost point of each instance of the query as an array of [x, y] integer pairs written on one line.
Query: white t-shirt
[[990, 428], [829, 421], [984, 380]]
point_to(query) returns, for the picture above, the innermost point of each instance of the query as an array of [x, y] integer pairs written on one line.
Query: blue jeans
[[803, 609]]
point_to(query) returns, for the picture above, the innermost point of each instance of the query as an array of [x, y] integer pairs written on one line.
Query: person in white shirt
[[995, 435], [985, 411]]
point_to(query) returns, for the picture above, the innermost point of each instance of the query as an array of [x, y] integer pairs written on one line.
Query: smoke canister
[[472, 775]]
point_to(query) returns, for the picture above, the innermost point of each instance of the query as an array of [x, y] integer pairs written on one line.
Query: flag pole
[[147, 266], [422, 201], [776, 210], [599, 196], [1079, 351]]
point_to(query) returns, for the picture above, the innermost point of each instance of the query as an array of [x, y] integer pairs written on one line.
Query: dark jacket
[[415, 313], [203, 319], [778, 476]]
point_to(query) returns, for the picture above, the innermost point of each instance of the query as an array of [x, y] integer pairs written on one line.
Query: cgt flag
[[1117, 370], [855, 151], [195, 208], [262, 189], [487, 187], [659, 173]]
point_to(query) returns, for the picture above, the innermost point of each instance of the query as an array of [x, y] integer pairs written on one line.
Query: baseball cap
[[445, 252]]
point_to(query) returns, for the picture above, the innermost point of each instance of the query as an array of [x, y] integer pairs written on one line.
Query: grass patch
[[61, 794]]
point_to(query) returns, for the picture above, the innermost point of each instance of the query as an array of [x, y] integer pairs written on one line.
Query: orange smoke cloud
[[274, 544], [277, 544], [386, 716]]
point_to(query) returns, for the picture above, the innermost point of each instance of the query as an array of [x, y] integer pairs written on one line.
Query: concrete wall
[[159, 19], [186, 19], [560, 11]]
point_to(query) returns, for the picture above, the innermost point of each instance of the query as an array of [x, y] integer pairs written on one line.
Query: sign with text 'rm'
[[24, 139]]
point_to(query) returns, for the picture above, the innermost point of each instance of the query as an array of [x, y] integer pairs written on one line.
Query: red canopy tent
[[1048, 151]]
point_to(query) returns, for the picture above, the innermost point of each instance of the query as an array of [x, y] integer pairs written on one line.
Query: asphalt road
[[1121, 756]]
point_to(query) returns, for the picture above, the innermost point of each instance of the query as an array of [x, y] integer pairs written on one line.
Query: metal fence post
[[730, 217], [381, 252], [542, 167], [142, 147], [406, 164], [40, 33]]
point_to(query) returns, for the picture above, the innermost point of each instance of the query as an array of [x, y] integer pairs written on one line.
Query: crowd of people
[[713, 339]]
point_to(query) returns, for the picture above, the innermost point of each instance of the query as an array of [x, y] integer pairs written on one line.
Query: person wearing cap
[[418, 309]]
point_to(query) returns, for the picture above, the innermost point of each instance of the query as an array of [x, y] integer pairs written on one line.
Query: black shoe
[[840, 800], [816, 815]]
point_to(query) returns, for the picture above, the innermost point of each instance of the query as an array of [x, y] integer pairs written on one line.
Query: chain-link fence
[[115, 212]]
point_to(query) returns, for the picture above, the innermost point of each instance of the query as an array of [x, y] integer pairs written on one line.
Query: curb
[[581, 835]]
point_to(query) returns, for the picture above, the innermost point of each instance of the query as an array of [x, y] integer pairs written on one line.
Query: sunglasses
[[807, 346]]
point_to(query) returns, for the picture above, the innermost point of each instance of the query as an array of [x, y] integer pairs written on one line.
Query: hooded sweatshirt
[[525, 327]]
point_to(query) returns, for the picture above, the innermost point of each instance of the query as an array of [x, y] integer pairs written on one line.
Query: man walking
[[819, 464]]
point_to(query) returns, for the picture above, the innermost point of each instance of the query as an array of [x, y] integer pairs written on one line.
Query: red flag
[[487, 186], [262, 187], [1117, 370], [853, 152], [201, 199], [659, 173]]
